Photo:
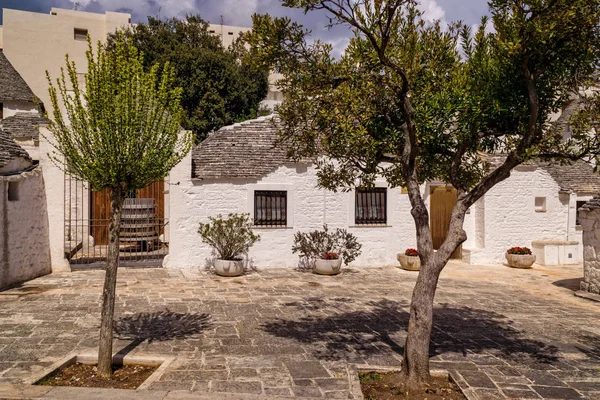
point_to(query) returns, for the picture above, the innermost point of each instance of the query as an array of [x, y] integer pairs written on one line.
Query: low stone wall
[[589, 218], [24, 239]]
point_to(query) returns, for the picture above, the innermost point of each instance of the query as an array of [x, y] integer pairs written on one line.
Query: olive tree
[[414, 101], [120, 132]]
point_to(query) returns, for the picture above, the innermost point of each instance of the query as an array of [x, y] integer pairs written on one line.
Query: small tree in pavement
[[121, 132], [414, 101]]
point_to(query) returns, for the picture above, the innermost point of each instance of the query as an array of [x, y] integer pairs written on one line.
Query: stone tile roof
[[244, 151], [23, 125], [578, 177], [9, 149], [12, 86]]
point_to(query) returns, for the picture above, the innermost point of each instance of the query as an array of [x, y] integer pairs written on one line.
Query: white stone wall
[[507, 217], [24, 238], [54, 183], [309, 207], [590, 223]]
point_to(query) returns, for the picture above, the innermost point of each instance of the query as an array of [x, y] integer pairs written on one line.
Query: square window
[[13, 191], [80, 34], [270, 208], [370, 206], [540, 204]]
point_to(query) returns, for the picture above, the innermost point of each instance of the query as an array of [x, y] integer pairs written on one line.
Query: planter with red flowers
[[329, 264], [409, 260], [325, 250], [519, 257]]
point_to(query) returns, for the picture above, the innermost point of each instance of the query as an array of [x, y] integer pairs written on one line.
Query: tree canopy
[[220, 86], [120, 132], [467, 90]]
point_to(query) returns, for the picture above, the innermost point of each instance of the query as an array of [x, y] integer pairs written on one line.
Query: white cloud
[[142, 8], [432, 10]]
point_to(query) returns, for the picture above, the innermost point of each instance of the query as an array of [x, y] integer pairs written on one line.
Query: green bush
[[230, 237], [316, 244]]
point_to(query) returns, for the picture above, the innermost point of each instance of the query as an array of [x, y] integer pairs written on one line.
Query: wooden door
[[100, 210], [442, 200]]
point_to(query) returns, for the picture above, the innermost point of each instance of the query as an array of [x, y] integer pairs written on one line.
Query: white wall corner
[[54, 184]]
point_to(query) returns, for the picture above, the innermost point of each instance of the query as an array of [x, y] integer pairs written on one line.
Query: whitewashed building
[[24, 238], [239, 170]]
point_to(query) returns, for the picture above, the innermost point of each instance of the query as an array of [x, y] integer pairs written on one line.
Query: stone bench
[[556, 252]]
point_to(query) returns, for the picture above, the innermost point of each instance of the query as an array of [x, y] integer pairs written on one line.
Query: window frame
[[289, 188], [274, 201], [371, 221], [78, 33]]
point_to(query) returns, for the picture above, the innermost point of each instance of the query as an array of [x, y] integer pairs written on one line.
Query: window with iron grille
[[370, 206], [270, 208]]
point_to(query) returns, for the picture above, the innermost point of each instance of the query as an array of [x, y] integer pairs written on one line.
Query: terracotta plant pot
[[409, 263], [327, 267], [229, 267], [520, 260]]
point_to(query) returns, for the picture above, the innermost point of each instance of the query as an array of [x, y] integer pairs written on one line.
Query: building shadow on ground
[[159, 326], [571, 284], [337, 332]]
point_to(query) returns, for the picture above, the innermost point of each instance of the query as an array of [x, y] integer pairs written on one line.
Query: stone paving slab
[[273, 334]]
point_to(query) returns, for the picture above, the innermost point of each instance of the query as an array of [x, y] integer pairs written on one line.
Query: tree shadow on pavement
[[159, 326], [340, 331]]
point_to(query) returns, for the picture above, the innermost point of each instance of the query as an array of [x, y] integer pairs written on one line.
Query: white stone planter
[[327, 267], [229, 267], [523, 261], [409, 263]]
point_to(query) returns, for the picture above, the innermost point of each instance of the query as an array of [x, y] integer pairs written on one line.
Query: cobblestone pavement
[[504, 333]]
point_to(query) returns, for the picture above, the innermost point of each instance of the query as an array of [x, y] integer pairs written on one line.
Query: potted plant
[[326, 250], [409, 260], [231, 237], [519, 257]]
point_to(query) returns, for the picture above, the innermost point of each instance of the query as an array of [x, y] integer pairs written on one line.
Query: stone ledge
[[588, 295], [21, 392]]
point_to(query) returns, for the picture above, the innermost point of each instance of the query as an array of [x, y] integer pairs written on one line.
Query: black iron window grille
[[370, 206], [270, 208]]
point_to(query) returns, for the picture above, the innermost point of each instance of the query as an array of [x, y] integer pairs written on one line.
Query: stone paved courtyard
[[503, 333]]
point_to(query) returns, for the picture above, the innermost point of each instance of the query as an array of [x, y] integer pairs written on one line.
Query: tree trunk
[[117, 197], [415, 364]]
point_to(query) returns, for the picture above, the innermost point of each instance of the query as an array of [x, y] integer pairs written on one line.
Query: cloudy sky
[[238, 12]]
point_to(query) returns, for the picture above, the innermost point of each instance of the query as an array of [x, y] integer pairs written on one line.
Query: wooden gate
[[100, 209], [442, 200], [144, 237]]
